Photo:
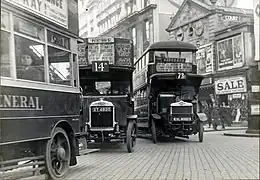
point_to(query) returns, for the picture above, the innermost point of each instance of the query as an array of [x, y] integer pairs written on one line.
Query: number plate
[[100, 66]]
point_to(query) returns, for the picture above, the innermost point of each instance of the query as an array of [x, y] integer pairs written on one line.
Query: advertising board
[[53, 10]]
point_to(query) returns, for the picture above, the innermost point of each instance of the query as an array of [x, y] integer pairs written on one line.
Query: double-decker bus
[[40, 95], [106, 68], [166, 90]]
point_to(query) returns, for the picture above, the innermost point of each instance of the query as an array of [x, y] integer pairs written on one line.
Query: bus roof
[[172, 45]]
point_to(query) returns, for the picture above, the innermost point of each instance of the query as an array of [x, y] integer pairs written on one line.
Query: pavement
[[241, 134], [219, 128], [218, 157], [206, 129]]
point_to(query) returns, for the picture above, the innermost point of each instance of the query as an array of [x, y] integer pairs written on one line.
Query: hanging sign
[[230, 85]]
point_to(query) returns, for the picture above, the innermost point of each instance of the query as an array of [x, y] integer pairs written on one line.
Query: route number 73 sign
[[100, 66]]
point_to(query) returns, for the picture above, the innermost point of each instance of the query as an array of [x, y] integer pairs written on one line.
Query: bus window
[[188, 56], [28, 28], [103, 87], [29, 59], [59, 66], [160, 54], [173, 54], [110, 88], [5, 51]]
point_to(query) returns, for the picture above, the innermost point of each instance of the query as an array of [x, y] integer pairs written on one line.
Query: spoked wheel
[[201, 131], [57, 155], [131, 135], [153, 129]]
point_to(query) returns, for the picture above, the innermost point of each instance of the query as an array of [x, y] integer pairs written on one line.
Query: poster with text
[[204, 58], [229, 53]]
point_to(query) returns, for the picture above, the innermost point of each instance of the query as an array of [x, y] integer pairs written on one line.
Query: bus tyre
[[57, 154], [201, 131], [131, 135], [153, 129]]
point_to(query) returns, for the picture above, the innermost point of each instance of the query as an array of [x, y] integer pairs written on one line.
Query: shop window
[[60, 71], [5, 52], [29, 59], [27, 28]]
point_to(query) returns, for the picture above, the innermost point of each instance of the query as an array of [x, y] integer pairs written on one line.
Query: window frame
[[46, 85]]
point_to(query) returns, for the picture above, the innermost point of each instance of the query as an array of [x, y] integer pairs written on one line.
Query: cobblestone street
[[218, 157]]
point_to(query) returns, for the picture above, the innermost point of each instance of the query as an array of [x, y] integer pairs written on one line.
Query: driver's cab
[[171, 91]]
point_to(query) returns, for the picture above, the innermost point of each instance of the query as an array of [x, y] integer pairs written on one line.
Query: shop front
[[231, 92]]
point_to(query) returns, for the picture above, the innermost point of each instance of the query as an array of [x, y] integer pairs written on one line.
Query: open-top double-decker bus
[[106, 67], [166, 90], [39, 99]]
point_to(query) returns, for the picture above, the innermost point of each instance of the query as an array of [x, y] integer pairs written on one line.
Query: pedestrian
[[223, 115], [209, 114], [215, 116]]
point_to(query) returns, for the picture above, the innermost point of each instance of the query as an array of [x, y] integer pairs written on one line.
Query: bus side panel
[[31, 113]]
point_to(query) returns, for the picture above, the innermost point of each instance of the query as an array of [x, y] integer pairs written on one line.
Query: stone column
[[254, 102]]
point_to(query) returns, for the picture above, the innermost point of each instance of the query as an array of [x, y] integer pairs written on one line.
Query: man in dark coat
[[223, 115], [209, 114]]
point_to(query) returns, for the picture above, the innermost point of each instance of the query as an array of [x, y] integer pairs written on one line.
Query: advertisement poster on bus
[[55, 11], [229, 53]]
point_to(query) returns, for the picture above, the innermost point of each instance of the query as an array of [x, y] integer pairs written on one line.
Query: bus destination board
[[174, 67], [101, 52]]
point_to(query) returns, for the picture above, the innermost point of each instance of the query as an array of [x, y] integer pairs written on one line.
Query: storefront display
[[232, 91]]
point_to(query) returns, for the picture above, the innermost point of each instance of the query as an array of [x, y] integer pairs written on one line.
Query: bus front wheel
[[57, 154]]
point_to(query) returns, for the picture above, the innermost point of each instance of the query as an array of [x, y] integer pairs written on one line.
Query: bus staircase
[[143, 130]]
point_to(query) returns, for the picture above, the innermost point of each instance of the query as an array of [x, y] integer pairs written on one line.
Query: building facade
[[224, 37], [88, 18], [144, 21]]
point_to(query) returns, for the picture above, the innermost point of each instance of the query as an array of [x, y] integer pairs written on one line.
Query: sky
[[248, 4]]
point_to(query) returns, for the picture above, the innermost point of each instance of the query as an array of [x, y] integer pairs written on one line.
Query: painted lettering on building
[[15, 102], [231, 18]]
